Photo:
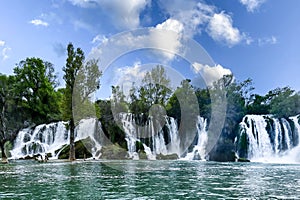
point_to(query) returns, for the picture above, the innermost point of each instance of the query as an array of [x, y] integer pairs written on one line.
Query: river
[[136, 179]]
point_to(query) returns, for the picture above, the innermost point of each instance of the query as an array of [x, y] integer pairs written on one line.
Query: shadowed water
[[148, 180]]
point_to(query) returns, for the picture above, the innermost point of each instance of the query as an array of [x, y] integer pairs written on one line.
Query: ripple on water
[[148, 180]]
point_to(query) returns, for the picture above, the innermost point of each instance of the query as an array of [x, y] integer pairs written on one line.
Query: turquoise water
[[148, 180]]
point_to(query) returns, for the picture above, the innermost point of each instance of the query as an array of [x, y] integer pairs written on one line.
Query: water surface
[[148, 180]]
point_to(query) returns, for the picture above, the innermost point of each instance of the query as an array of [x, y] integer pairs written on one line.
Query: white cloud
[[191, 14], [252, 5], [267, 40], [5, 53], [125, 14], [99, 38], [220, 28], [163, 45], [197, 16], [210, 74], [2, 43], [38, 22], [126, 76], [168, 40], [171, 25]]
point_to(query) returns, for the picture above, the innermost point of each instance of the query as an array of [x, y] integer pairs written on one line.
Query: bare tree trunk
[[4, 157], [72, 140]]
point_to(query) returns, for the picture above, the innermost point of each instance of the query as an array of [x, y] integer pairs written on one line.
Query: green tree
[[284, 102], [155, 87], [183, 100], [118, 100], [6, 102], [258, 105], [34, 85], [81, 81], [236, 95]]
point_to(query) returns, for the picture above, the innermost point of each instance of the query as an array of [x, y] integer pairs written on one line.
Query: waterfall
[[163, 140], [48, 138], [199, 151], [154, 137], [266, 138], [134, 133]]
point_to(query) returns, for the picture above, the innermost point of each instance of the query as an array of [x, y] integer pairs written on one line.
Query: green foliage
[[155, 89], [182, 101], [284, 102], [81, 81], [204, 100], [74, 62], [281, 102], [109, 125], [258, 105], [34, 88], [11, 116], [118, 100]]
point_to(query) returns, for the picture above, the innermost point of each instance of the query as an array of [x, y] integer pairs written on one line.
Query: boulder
[[81, 150], [173, 156], [113, 152]]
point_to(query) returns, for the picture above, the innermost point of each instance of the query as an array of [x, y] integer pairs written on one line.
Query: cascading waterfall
[[134, 132], [266, 138], [160, 144], [47, 138], [199, 151], [156, 139]]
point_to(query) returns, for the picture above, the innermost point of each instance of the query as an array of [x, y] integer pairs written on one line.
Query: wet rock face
[[81, 151], [113, 152]]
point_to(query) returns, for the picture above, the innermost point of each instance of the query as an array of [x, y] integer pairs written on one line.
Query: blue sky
[[256, 39]]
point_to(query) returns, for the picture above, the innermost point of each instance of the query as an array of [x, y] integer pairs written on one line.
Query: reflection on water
[[148, 180]]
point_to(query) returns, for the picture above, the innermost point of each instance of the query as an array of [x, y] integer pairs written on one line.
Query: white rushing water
[[156, 138], [134, 133], [269, 139], [48, 138], [199, 151]]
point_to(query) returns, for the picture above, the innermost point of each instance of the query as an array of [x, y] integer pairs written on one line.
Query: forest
[[32, 96]]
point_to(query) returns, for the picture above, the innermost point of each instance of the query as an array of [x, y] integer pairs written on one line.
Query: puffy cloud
[[252, 5], [168, 40], [2, 43], [210, 74], [191, 14], [267, 40], [197, 16], [221, 29], [171, 25], [38, 22], [123, 13], [130, 73], [164, 44]]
